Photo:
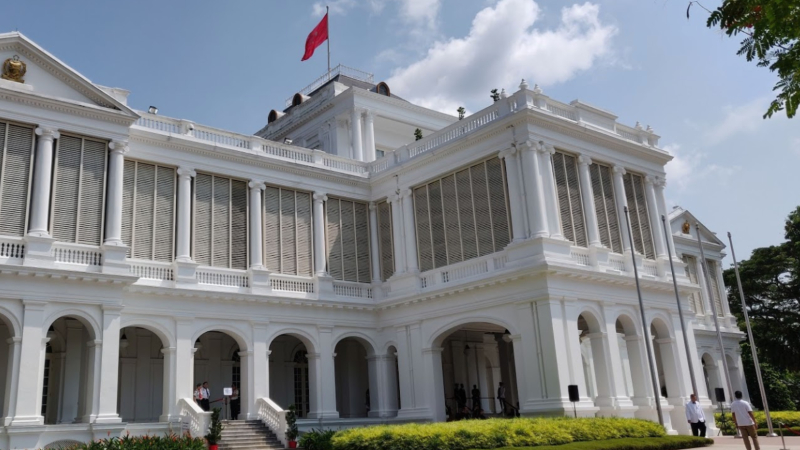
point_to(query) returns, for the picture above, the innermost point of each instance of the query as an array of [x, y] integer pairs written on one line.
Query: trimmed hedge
[[493, 433], [788, 418], [167, 442], [659, 443]]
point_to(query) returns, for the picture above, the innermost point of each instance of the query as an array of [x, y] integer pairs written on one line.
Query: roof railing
[[341, 69]]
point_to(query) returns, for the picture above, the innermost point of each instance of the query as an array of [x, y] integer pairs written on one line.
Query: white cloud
[[687, 168], [738, 120], [502, 47], [338, 7], [420, 17]]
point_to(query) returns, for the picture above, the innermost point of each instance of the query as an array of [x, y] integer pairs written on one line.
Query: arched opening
[[383, 89], [289, 374], [352, 376], [736, 379], [6, 361], [217, 365], [711, 376], [666, 363], [477, 362], [141, 388], [67, 378]]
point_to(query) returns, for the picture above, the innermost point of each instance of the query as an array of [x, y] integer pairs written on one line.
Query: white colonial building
[[333, 262]]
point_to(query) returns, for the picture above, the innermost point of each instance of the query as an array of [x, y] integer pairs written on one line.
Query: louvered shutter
[[637, 207], [712, 275], [203, 224], [569, 198], [422, 215], [362, 232], [221, 222], [272, 229], [144, 211], [288, 233], [439, 242], [691, 273], [16, 153], [334, 239], [238, 226], [606, 207], [92, 200], [348, 241], [469, 241], [128, 195], [451, 223], [164, 225], [497, 196], [483, 221], [385, 240], [148, 211], [304, 234], [66, 188]]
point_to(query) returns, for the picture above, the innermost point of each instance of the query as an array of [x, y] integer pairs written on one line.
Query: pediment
[[679, 218], [47, 76]]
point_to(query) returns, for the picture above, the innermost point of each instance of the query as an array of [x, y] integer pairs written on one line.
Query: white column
[[31, 368], [549, 184], [246, 399], [655, 219], [91, 402], [662, 210], [319, 234], [355, 131], [528, 363], [587, 196], [42, 179], [184, 230], [116, 164], [108, 367], [514, 194], [259, 368], [397, 235], [534, 190], [72, 371], [723, 294], [168, 413], [432, 365], [184, 360], [12, 378], [369, 125], [615, 367], [322, 374], [622, 203], [256, 242], [374, 253], [410, 231]]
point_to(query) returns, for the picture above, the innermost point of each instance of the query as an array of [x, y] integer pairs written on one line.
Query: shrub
[[167, 442], [492, 433], [291, 423], [788, 418], [317, 440], [215, 428], [658, 443]]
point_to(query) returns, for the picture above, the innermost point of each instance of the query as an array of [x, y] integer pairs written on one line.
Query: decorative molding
[[185, 172], [256, 185], [119, 147], [584, 160], [47, 133]]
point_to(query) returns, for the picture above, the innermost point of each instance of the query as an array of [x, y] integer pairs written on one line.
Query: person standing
[[198, 394], [745, 421], [205, 393], [235, 404], [462, 397], [476, 397], [696, 417], [501, 396]]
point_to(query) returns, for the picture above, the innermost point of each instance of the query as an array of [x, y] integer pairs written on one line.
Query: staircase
[[247, 435]]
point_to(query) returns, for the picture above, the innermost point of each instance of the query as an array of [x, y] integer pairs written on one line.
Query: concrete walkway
[[767, 443]]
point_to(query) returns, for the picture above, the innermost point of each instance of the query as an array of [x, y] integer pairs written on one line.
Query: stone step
[[249, 447]]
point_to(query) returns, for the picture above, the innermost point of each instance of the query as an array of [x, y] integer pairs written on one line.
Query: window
[[462, 215], [640, 222], [79, 185], [606, 207], [569, 198], [383, 89], [46, 381], [714, 288], [301, 386], [16, 156], [287, 231], [695, 300], [220, 222], [380, 153], [148, 211], [385, 239], [348, 240]]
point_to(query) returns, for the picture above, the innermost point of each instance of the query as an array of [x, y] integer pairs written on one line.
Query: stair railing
[[273, 417], [194, 417]]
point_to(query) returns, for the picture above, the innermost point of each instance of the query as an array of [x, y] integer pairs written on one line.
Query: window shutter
[[637, 207], [128, 194], [348, 241], [221, 222], [16, 152], [66, 188], [92, 200], [143, 211], [304, 235], [272, 229], [569, 198], [712, 275], [334, 239], [439, 243], [452, 227], [469, 242], [385, 240], [483, 221], [606, 207], [691, 273], [288, 233], [497, 197], [238, 249], [362, 235], [164, 225], [203, 219], [424, 244]]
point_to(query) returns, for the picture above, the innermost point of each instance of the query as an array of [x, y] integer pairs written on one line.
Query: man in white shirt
[[696, 417], [205, 404], [501, 396], [744, 419]]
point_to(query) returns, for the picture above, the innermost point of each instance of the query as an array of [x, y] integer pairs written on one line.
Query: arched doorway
[[634, 362], [354, 375], [289, 374], [141, 375], [711, 375], [6, 362], [217, 362], [67, 377], [477, 356], [666, 363]]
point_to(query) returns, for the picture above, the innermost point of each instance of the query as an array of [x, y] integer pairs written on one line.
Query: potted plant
[[214, 430], [291, 427]]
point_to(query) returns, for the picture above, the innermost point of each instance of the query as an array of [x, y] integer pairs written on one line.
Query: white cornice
[[68, 107]]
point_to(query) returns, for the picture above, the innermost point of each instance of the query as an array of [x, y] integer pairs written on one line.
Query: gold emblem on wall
[[686, 227], [14, 69]]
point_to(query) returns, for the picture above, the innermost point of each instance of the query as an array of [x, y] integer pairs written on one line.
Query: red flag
[[318, 35]]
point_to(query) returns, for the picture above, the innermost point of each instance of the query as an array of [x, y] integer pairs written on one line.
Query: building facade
[[335, 261]]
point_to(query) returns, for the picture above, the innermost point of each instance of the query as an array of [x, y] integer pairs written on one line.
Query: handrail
[[341, 69], [195, 418], [273, 416]]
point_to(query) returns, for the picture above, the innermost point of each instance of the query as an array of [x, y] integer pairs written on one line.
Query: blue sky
[[228, 63]]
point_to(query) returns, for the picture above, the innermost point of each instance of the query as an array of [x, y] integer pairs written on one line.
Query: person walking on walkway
[[696, 417], [501, 396], [476, 397], [744, 419]]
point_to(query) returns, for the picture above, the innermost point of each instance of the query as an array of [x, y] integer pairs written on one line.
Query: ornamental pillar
[[256, 242], [168, 403], [12, 378], [622, 203], [374, 254], [397, 235], [355, 130], [549, 184], [515, 201], [655, 220], [116, 164], [534, 190], [31, 366], [184, 229], [410, 231], [107, 367], [369, 138], [319, 234], [587, 196], [42, 181], [321, 370]]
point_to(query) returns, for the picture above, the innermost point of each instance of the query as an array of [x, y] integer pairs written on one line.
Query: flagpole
[[327, 14], [752, 342]]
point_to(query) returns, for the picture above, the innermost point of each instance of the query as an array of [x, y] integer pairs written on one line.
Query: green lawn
[[652, 443]]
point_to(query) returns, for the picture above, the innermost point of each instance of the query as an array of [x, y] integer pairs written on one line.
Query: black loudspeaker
[[573, 393], [720, 394]]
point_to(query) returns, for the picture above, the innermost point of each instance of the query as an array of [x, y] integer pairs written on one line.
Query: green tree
[[770, 30], [771, 284]]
